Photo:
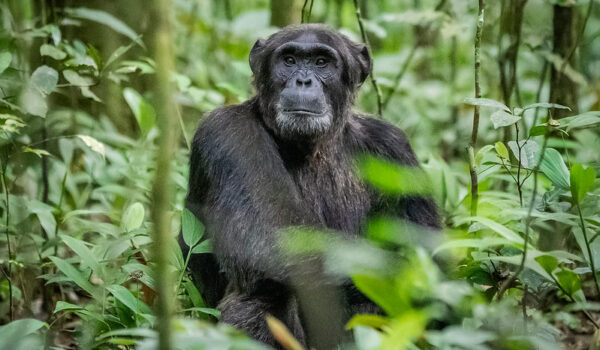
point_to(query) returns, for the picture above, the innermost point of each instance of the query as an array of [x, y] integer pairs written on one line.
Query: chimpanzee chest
[[331, 191]]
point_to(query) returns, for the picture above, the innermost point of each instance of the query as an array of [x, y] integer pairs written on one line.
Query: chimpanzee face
[[306, 77], [304, 70]]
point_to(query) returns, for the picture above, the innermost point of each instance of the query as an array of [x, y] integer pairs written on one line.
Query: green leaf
[[16, 330], [582, 181], [77, 80], [382, 292], [76, 276], [486, 102], [52, 51], [481, 153], [92, 143], [555, 169], [538, 130], [33, 102], [191, 228], [547, 262], [87, 257], [203, 248], [583, 120], [5, 59], [367, 320], [107, 19], [500, 118], [44, 79], [545, 105], [393, 178], [133, 217], [124, 295], [142, 110], [493, 225], [501, 150], [569, 281], [64, 306], [528, 154]]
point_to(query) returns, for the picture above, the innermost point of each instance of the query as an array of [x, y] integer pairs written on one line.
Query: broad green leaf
[[493, 225], [545, 105], [582, 181], [501, 118], [52, 51], [367, 320], [129, 300], [501, 150], [5, 59], [44, 79], [202, 248], [15, 330], [547, 262], [382, 292], [33, 102], [76, 276], [133, 217], [569, 281], [64, 306], [538, 130], [392, 178], [583, 120], [142, 110], [107, 19], [87, 257], [367, 338], [486, 102], [77, 80], [92, 143], [528, 154], [191, 228], [484, 242], [555, 169], [481, 153]]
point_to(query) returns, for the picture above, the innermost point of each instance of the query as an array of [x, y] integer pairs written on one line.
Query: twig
[[366, 41], [589, 250], [471, 149], [10, 254], [528, 219]]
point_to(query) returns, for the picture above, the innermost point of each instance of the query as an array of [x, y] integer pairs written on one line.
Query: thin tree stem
[[161, 189], [471, 149], [589, 250], [10, 253], [366, 41]]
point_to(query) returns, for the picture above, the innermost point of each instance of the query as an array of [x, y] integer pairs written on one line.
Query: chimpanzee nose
[[303, 81]]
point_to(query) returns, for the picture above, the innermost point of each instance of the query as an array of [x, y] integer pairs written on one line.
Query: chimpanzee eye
[[321, 62], [289, 60]]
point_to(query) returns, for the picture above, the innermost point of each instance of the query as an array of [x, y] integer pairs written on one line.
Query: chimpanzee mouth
[[304, 111]]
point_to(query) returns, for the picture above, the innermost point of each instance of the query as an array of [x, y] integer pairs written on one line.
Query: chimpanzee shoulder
[[381, 139]]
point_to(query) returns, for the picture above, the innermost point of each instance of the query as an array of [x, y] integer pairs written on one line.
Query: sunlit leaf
[[548, 262], [44, 79], [569, 281], [191, 228], [92, 143], [107, 19], [486, 102], [501, 150], [553, 166], [5, 59], [582, 181], [501, 118], [142, 110], [133, 217]]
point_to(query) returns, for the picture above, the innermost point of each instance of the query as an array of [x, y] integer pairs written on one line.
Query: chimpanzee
[[287, 157]]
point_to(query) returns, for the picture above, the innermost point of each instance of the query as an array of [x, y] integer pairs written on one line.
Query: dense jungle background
[[500, 99]]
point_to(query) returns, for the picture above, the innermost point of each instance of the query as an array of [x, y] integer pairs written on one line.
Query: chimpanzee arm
[[386, 141], [241, 191]]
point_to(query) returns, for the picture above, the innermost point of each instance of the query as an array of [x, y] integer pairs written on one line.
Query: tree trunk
[[286, 12], [562, 89]]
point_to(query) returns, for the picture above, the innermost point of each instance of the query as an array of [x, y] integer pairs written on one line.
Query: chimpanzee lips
[[303, 111]]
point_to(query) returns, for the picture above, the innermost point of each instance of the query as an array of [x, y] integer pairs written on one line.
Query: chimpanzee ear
[[364, 62], [255, 55]]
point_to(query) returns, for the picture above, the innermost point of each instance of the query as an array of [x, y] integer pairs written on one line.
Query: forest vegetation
[[500, 99]]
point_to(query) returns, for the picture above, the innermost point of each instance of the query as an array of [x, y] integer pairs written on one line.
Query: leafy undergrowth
[[77, 150]]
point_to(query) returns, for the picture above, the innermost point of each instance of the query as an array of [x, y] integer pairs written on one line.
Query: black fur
[[248, 181]]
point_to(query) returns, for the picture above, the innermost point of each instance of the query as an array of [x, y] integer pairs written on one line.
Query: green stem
[[589, 250]]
